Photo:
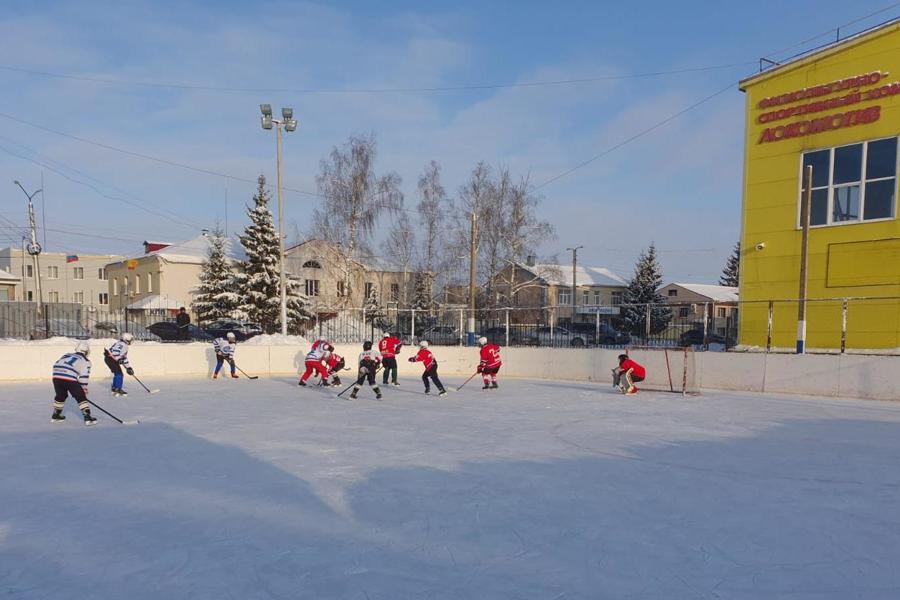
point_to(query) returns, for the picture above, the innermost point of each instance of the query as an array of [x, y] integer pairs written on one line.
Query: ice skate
[[57, 417], [89, 419]]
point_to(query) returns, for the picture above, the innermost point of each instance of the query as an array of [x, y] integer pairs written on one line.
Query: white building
[[65, 278]]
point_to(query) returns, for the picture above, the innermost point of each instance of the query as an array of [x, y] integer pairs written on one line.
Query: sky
[[678, 186]]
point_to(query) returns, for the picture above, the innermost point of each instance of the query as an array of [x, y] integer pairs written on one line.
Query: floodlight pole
[[282, 287], [574, 252], [34, 248]]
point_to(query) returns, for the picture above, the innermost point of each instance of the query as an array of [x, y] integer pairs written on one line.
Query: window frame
[[315, 291], [29, 271], [831, 187], [52, 272], [101, 274], [564, 292], [103, 298]]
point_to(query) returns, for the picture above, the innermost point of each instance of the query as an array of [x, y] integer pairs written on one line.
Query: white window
[[78, 273], [585, 298], [103, 298], [78, 297], [597, 300], [149, 282], [618, 298], [312, 287], [53, 272], [564, 297], [370, 289], [851, 183], [115, 286], [137, 284], [720, 311], [53, 297], [395, 292], [101, 274], [341, 288], [29, 270]]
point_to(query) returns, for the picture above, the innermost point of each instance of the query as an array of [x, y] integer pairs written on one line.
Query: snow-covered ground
[[258, 489]]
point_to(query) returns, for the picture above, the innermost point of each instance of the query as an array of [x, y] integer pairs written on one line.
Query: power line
[[373, 90]]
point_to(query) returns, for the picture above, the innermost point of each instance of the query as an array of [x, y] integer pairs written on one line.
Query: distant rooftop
[[562, 275], [717, 293]]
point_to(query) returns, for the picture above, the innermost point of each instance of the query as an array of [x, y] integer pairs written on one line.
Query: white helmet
[[482, 341], [229, 336], [423, 344], [387, 335], [126, 337], [322, 339], [83, 348]]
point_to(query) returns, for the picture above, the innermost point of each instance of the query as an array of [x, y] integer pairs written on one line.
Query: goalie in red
[[627, 374], [490, 363]]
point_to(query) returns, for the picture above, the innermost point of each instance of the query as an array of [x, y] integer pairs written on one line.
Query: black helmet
[[367, 345], [623, 357]]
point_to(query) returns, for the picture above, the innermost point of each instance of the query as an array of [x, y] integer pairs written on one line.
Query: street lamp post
[[290, 124], [574, 252], [33, 247]]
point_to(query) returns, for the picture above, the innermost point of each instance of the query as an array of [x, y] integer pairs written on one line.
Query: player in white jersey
[[224, 349], [116, 357], [369, 361], [70, 376], [315, 362]]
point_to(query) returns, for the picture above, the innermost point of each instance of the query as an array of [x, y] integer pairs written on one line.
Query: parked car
[[168, 332], [242, 330], [560, 337], [49, 328], [609, 335], [441, 335], [694, 337], [111, 329], [518, 336]]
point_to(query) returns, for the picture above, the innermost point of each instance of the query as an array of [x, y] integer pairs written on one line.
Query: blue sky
[[679, 186]]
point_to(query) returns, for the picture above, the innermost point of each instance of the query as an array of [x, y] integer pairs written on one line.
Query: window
[[852, 183], [312, 287], [585, 298], [618, 298], [149, 282], [53, 297], [101, 274], [515, 298], [103, 298], [115, 286], [597, 300], [720, 312], [370, 289], [78, 273], [78, 297], [29, 296], [53, 272], [395, 292], [4, 295], [684, 311], [29, 270], [342, 288], [564, 297], [137, 284], [673, 293], [311, 264]]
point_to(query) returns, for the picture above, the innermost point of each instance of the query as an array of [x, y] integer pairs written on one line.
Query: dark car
[[694, 337], [59, 328], [441, 335], [609, 335], [518, 336], [242, 330], [168, 332], [112, 329]]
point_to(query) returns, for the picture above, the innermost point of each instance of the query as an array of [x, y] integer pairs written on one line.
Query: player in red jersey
[[389, 346], [490, 363], [627, 374], [335, 363], [425, 357]]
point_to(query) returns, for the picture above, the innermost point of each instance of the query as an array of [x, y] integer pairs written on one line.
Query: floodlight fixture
[[287, 113], [266, 110], [290, 125], [267, 122]]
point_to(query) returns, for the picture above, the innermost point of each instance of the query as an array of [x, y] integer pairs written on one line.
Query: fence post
[[412, 324], [507, 327], [769, 326], [597, 328], [647, 325], [844, 325], [706, 317], [363, 323], [462, 318]]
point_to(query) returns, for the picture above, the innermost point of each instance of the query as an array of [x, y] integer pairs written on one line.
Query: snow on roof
[[562, 275], [7, 276], [156, 301], [192, 251], [718, 293]]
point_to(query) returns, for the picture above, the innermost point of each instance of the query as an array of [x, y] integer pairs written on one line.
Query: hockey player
[[335, 365], [315, 361], [224, 349], [490, 363], [627, 374], [369, 361], [389, 346], [70, 376], [116, 357], [430, 362]]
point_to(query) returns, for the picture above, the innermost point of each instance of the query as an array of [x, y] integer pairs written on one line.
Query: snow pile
[[276, 339]]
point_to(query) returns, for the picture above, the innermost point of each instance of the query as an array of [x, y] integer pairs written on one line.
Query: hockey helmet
[[83, 348], [622, 357], [386, 334], [482, 341], [230, 336], [423, 344], [367, 345], [126, 337]]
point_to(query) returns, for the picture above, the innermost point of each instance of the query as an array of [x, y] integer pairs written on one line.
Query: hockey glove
[[412, 359], [480, 368], [129, 370]]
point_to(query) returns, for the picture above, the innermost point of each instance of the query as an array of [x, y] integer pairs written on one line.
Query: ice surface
[[540, 490]]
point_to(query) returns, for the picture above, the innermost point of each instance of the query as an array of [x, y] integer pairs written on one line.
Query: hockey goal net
[[668, 369]]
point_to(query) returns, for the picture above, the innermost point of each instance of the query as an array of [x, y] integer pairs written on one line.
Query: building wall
[[168, 280], [851, 259], [64, 287], [695, 304]]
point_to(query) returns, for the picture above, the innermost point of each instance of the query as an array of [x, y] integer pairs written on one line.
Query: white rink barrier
[[849, 376]]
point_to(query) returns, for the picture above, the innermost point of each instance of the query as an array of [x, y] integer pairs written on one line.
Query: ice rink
[[540, 490]]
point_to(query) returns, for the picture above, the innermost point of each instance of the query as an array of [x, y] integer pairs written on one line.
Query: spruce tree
[[731, 272], [422, 291], [643, 290], [259, 281], [216, 296]]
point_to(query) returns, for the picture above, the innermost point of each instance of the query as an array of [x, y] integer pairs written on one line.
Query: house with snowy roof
[[694, 301], [533, 285]]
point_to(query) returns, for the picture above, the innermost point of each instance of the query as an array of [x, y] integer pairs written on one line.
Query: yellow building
[[837, 109]]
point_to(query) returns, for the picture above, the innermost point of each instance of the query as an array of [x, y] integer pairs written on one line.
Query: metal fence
[[857, 324]]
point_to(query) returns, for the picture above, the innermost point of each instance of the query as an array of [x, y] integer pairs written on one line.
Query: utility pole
[[804, 260], [574, 252], [34, 248], [473, 250]]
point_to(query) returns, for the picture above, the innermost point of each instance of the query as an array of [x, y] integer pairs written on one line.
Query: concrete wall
[[872, 377]]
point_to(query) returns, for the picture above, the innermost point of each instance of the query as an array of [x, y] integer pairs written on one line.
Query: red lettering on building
[[828, 123]]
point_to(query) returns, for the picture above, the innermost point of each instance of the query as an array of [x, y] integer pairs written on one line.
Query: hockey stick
[[245, 374], [149, 391], [341, 393], [135, 422], [467, 381]]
